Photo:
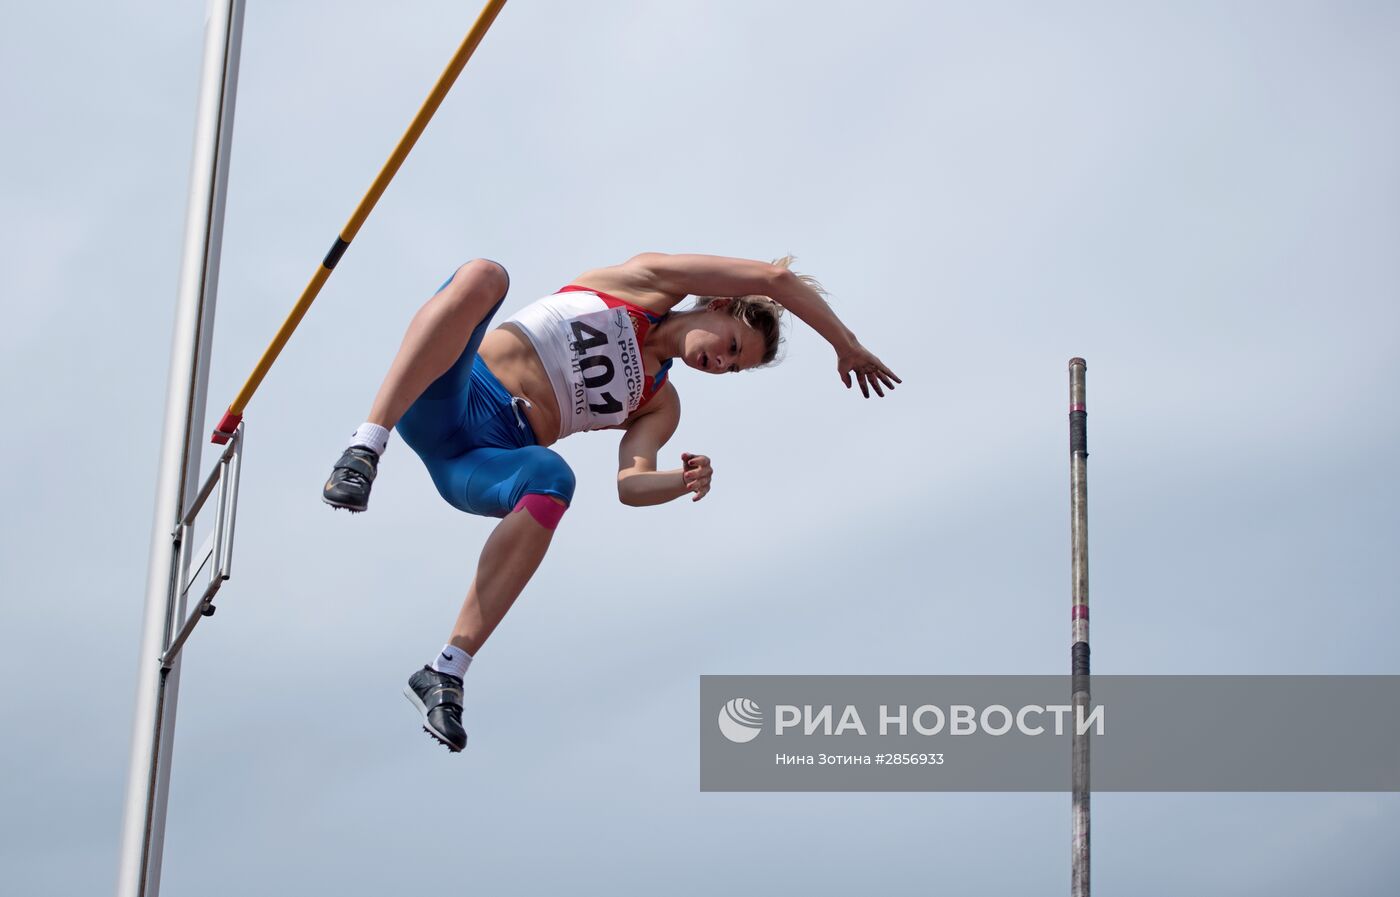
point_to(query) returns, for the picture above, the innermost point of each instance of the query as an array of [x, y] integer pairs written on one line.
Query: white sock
[[371, 436], [453, 661]]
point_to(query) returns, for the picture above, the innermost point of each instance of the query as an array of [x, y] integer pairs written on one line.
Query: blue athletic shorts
[[482, 456]]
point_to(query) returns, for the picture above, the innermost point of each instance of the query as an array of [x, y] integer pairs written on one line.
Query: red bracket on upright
[[224, 431]]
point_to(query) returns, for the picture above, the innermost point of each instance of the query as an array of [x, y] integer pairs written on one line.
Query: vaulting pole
[[153, 733], [231, 418], [1079, 617]]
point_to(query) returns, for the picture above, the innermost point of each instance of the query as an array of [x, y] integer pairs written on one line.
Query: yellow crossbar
[[224, 431]]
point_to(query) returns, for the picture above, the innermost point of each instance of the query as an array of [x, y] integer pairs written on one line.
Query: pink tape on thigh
[[546, 511]]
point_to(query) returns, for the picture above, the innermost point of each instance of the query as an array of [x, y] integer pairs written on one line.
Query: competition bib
[[605, 368]]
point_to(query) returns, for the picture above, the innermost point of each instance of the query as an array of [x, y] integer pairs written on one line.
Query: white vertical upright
[[148, 780]]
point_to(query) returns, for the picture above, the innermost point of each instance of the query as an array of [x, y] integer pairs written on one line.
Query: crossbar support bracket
[[215, 555]]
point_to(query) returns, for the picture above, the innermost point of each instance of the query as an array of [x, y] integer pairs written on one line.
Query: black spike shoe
[[438, 696], [353, 474]]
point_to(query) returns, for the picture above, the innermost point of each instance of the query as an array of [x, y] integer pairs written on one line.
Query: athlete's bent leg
[[440, 345], [531, 487], [437, 336], [508, 560]]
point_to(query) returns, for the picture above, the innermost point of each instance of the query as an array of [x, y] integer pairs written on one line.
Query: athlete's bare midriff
[[514, 361]]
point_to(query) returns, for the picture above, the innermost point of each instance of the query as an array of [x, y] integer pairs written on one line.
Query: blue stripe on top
[[660, 377]]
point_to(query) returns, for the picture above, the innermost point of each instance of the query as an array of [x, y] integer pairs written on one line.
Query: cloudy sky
[[1202, 199]]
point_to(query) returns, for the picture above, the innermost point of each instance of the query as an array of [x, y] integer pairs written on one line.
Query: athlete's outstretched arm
[[713, 275], [639, 483]]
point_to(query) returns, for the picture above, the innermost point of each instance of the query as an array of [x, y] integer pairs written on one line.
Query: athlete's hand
[[869, 370], [697, 471]]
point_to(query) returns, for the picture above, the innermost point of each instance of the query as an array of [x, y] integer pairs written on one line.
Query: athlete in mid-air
[[481, 408]]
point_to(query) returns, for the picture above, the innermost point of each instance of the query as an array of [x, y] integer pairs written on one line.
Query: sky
[[1201, 199]]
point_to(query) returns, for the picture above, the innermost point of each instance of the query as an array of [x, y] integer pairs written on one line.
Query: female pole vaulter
[[481, 408]]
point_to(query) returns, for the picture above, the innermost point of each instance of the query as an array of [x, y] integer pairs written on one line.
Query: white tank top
[[591, 347]]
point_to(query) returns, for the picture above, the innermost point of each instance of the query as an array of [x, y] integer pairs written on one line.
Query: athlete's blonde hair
[[762, 313]]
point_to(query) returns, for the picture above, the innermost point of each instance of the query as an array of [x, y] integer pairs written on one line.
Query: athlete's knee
[[543, 472], [488, 275], [547, 486]]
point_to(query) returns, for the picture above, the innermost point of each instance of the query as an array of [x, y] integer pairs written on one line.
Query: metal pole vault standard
[[177, 484], [234, 415], [1079, 617], [179, 494]]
